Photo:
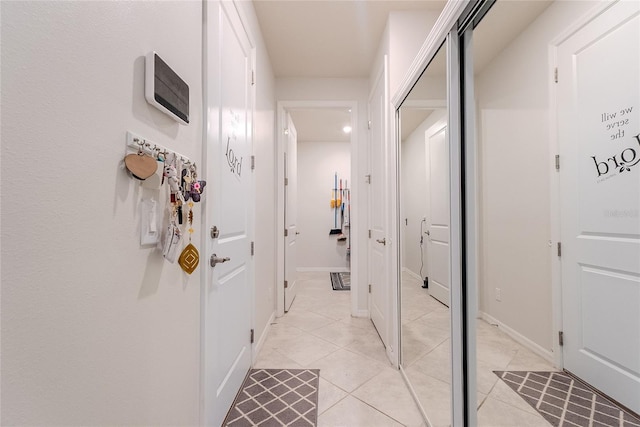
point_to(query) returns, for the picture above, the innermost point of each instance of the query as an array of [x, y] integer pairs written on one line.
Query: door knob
[[428, 233], [297, 233], [383, 241], [215, 260]]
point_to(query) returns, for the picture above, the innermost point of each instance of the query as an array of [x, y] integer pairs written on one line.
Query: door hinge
[[251, 336], [561, 338], [555, 74], [557, 162], [286, 284], [253, 248], [369, 288], [369, 233], [367, 179], [369, 124], [286, 233], [253, 77], [253, 162], [286, 181], [559, 249]]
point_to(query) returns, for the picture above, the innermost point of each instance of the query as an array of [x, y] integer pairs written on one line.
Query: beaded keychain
[[189, 258]]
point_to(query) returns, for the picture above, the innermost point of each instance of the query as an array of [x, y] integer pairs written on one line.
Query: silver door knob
[[383, 241], [297, 233], [428, 233], [215, 260]]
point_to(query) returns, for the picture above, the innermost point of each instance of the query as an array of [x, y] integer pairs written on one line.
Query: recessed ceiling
[[327, 38], [321, 124]]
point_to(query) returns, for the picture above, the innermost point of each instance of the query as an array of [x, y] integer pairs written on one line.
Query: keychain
[[189, 258]]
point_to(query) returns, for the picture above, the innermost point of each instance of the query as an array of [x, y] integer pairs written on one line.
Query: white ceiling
[[321, 124], [339, 38], [327, 38]]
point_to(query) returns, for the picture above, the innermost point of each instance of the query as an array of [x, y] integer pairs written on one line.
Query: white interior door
[[290, 214], [598, 128], [437, 153], [229, 207], [378, 253]]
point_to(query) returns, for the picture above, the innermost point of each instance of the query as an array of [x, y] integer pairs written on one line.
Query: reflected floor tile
[[351, 412], [436, 363]]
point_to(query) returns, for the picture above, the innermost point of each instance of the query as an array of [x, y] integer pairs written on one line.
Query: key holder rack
[[135, 143]]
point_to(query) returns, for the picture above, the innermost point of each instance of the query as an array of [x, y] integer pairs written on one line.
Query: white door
[[378, 253], [598, 94], [437, 153], [227, 318], [290, 214]]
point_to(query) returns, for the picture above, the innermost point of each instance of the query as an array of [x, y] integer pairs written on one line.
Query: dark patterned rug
[[275, 398], [340, 281], [565, 401]]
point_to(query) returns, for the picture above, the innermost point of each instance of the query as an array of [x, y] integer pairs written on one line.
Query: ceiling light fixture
[[346, 129]]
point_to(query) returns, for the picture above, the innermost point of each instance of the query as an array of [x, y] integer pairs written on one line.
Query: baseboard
[[519, 338], [363, 313], [323, 269], [263, 337], [412, 274]]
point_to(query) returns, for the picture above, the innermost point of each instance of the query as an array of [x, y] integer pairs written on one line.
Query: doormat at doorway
[[564, 401], [275, 398], [341, 281]]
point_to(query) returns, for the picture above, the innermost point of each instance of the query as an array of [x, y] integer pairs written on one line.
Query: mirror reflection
[[424, 210]]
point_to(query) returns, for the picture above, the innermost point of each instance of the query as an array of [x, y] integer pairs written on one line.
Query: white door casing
[[437, 161], [598, 119], [378, 238], [290, 213], [228, 291]]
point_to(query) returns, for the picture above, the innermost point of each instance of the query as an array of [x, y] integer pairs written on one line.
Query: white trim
[[282, 107], [257, 346], [363, 313], [412, 274], [519, 338]]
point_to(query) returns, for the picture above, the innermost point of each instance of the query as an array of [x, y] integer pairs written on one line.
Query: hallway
[[358, 385]]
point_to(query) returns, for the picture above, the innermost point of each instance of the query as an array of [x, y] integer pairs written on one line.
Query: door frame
[[282, 108]]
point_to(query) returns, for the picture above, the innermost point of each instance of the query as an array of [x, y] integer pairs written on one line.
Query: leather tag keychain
[[141, 165]]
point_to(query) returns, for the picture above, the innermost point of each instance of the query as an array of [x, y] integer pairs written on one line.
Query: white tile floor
[[358, 385]]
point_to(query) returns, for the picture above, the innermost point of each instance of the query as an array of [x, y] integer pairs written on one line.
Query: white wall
[[407, 31], [301, 89], [264, 150], [512, 95], [95, 328], [317, 164], [414, 192]]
